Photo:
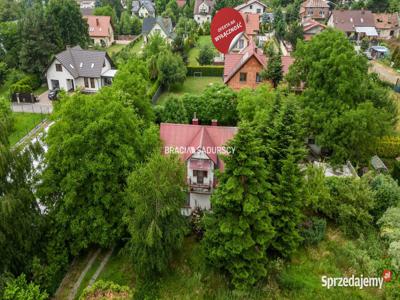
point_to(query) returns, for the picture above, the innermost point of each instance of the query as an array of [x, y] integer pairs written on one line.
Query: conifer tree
[[239, 231]]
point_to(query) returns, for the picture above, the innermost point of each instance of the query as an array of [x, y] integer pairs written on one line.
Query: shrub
[[349, 205], [106, 290], [313, 231], [207, 71], [20, 289], [31, 80], [206, 55], [388, 147], [196, 222], [20, 88], [387, 194]]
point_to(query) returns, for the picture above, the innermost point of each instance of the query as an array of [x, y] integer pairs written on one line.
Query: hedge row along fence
[[206, 71], [388, 147]]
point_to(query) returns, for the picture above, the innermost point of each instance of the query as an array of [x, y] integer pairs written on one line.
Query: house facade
[[356, 24], [311, 28], [203, 10], [252, 7], [315, 9], [76, 68], [199, 147], [243, 69], [143, 9], [101, 31], [387, 25], [161, 26]]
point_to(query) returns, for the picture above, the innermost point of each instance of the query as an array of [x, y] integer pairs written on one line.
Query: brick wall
[[252, 67]]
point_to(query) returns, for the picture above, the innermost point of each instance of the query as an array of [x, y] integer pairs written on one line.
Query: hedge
[[210, 71], [388, 147], [20, 88]]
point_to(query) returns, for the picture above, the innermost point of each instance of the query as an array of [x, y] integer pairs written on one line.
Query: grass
[[40, 90], [113, 49], [192, 85], [194, 52], [90, 273], [396, 97], [119, 270], [137, 47], [72, 276], [23, 124]]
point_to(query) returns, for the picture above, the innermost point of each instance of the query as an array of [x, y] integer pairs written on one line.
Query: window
[[58, 67], [92, 83], [241, 43], [243, 77], [258, 10], [200, 175], [258, 78], [310, 12], [251, 6], [55, 84], [321, 13], [86, 82]]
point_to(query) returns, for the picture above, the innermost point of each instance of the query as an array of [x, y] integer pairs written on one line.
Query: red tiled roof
[[235, 61], [98, 25], [252, 23], [310, 24], [386, 21], [181, 3], [315, 3], [195, 137]]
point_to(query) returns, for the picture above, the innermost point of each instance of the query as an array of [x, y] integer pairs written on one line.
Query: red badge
[[227, 27], [387, 275]]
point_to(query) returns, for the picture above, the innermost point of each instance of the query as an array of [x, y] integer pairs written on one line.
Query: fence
[[207, 71], [31, 108], [23, 98]]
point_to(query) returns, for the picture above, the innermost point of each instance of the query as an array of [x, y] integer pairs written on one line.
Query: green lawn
[[40, 90], [114, 49], [192, 85], [137, 47], [23, 124], [194, 52], [119, 270]]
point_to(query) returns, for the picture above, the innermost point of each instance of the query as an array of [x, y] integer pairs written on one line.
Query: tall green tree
[[171, 69], [279, 24], [66, 18], [239, 231], [20, 289], [174, 111], [154, 197], [273, 71], [342, 102], [93, 146]]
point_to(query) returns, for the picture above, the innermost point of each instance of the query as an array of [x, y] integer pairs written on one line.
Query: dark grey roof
[[165, 24], [136, 5], [82, 63], [378, 164]]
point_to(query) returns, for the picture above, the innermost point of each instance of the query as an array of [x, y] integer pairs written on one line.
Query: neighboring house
[[159, 25], [87, 3], [243, 69], [143, 8], [357, 24], [203, 10], [181, 3], [314, 9], [76, 68], [252, 22], [101, 31], [198, 147], [87, 11], [311, 28], [387, 25], [252, 6]]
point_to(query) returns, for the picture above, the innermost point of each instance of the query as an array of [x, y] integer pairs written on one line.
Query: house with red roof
[[252, 6], [315, 9], [311, 28], [243, 69], [101, 31], [252, 22], [387, 25], [199, 147]]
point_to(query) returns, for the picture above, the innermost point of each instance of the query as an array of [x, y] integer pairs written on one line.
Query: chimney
[[195, 121], [214, 122], [97, 22]]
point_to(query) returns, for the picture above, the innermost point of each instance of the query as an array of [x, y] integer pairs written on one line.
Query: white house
[[199, 147], [253, 7], [143, 8], [159, 25], [203, 10], [76, 68]]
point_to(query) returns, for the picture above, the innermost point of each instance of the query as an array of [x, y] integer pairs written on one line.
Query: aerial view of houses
[[199, 149]]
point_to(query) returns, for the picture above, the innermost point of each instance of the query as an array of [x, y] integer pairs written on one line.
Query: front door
[[55, 84]]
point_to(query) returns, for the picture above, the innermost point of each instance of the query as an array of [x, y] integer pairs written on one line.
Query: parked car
[[53, 94]]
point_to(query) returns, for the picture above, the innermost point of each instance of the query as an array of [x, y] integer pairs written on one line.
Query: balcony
[[200, 187]]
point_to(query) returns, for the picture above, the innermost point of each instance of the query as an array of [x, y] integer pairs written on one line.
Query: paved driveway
[[44, 106]]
